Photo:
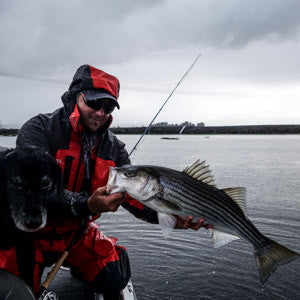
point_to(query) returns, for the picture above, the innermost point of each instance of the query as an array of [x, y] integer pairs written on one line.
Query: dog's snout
[[33, 224]]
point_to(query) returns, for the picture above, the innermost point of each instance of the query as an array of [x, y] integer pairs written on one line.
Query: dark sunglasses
[[107, 104]]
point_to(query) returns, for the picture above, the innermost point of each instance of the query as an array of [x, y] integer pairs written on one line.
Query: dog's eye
[[15, 182], [46, 183]]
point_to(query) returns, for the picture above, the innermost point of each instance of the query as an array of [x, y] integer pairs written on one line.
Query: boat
[[63, 286], [169, 138], [67, 287]]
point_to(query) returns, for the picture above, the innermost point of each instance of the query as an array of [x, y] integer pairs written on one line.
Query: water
[[186, 266], [7, 141]]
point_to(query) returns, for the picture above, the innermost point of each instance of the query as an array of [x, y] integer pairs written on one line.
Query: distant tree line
[[192, 129], [186, 123], [8, 132]]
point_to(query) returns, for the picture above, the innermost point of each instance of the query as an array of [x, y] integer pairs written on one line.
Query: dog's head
[[30, 174]]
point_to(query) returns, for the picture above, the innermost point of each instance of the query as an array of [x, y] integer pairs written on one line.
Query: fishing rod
[[177, 85]]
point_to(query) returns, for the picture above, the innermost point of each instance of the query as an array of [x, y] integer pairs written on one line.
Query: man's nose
[[100, 112]]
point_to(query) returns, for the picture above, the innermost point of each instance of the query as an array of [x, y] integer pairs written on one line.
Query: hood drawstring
[[89, 141]]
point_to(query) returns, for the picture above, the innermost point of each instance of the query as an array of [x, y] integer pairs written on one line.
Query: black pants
[[13, 288], [112, 279]]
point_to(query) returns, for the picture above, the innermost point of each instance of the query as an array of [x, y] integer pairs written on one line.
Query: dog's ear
[[3, 153], [1, 175]]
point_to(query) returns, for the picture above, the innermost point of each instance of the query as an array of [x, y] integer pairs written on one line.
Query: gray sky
[[249, 71]]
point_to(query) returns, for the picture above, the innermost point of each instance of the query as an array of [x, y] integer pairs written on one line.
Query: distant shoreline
[[244, 129], [8, 132]]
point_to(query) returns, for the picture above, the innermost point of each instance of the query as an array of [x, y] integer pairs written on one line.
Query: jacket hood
[[88, 77]]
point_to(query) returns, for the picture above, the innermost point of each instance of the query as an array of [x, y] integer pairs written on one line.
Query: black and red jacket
[[61, 134]]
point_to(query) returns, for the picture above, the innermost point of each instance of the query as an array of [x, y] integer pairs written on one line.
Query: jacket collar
[[75, 120]]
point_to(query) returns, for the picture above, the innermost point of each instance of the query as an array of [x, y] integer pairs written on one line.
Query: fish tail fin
[[270, 257]]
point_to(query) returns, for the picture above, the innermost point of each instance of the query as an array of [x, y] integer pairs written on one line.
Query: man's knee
[[12, 287], [114, 276]]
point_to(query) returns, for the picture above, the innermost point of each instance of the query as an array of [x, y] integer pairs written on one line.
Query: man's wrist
[[91, 207], [78, 204]]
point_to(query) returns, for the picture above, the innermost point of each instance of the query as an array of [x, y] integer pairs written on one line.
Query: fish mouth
[[110, 189], [112, 182]]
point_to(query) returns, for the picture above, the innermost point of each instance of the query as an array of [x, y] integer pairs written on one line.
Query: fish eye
[[129, 174]]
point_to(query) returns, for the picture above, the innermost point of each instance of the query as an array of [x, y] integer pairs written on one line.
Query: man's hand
[[100, 201], [188, 223]]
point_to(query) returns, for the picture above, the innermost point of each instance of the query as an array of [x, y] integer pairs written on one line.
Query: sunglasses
[[107, 104]]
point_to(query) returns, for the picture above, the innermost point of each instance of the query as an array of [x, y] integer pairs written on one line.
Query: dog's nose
[[33, 224]]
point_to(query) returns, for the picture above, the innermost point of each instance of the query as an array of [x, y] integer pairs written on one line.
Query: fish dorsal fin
[[238, 195], [222, 238], [201, 172]]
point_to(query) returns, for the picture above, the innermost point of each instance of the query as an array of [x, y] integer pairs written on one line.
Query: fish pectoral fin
[[222, 238], [167, 223], [238, 195], [200, 171]]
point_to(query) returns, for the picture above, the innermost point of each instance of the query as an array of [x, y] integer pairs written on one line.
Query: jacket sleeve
[[68, 204], [34, 133]]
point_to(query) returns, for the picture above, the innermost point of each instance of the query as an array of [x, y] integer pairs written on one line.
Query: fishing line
[[34, 78], [177, 85], [127, 88]]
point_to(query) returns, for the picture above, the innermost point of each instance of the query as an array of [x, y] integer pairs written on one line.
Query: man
[[77, 135]]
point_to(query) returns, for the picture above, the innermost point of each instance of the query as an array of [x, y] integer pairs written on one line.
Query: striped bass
[[193, 192]]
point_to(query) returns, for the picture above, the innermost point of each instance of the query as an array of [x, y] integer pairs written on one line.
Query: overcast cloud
[[249, 71]]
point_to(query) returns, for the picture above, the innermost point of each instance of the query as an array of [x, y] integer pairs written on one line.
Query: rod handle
[[55, 269]]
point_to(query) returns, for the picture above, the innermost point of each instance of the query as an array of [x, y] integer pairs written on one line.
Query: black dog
[[27, 176]]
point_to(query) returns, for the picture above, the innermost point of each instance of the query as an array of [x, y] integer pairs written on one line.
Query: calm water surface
[[186, 266]]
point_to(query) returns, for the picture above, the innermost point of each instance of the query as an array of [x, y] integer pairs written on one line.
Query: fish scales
[[216, 204], [190, 189], [202, 191], [193, 187]]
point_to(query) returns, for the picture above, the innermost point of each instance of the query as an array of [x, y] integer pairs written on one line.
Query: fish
[[194, 192]]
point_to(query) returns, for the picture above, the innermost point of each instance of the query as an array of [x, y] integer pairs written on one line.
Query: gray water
[[186, 266]]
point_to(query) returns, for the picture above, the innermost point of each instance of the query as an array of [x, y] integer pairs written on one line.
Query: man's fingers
[[115, 200], [199, 224], [188, 222], [100, 201], [117, 197], [101, 191]]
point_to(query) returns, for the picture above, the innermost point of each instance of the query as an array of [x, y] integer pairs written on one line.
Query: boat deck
[[66, 287]]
